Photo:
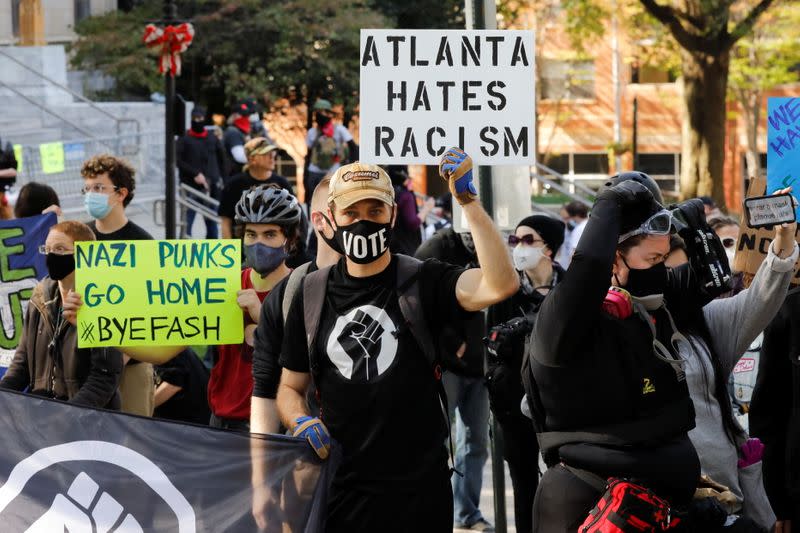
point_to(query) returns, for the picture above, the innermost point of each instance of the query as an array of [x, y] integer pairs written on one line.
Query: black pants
[[520, 446], [562, 502], [521, 452], [428, 507]]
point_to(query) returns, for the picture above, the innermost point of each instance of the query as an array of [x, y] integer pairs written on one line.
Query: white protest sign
[[423, 91]]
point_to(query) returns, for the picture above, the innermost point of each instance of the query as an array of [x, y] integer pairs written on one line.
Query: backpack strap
[[292, 285], [408, 270], [315, 286]]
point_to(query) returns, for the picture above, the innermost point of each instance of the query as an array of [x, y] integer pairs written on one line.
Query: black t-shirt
[[243, 182], [190, 404], [378, 395], [268, 339], [128, 232]]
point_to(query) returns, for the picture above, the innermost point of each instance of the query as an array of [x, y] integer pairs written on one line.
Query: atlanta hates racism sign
[[424, 91]]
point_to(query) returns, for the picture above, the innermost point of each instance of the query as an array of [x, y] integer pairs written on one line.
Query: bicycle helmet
[[267, 204], [632, 216], [635, 175]]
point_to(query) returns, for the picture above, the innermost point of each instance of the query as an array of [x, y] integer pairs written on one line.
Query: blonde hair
[[77, 231]]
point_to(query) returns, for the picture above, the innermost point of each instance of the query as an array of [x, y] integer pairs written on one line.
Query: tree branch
[[746, 24], [667, 16]]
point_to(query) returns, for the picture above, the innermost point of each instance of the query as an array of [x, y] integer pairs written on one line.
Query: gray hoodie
[[734, 323]]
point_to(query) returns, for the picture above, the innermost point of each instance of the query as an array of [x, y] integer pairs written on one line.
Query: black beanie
[[550, 229]]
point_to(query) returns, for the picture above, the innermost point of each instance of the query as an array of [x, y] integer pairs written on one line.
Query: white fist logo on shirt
[[362, 345]]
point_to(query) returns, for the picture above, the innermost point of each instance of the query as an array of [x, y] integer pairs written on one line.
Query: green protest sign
[[18, 156], [158, 293], [52, 156]]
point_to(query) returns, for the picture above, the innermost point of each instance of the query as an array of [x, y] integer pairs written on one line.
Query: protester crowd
[[608, 350]]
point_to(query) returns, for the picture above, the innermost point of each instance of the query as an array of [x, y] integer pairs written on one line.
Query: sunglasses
[[658, 224], [727, 242], [528, 239]]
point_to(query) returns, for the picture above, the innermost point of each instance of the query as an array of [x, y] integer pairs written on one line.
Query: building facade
[[60, 17]]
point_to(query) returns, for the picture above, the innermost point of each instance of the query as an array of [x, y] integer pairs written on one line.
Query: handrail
[[46, 110], [576, 184], [561, 189], [79, 96]]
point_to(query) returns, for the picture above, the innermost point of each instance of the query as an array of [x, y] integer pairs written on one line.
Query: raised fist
[[361, 341], [79, 511], [456, 168]]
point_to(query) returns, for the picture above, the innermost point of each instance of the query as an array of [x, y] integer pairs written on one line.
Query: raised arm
[[496, 279], [735, 322]]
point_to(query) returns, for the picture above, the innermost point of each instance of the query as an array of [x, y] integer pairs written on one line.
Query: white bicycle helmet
[[267, 204]]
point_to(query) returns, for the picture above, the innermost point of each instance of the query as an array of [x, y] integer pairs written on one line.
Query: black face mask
[[332, 242], [198, 126], [322, 120], [364, 241], [60, 266], [646, 281]]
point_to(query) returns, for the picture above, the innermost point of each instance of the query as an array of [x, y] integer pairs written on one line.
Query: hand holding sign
[[70, 307], [784, 242], [248, 300]]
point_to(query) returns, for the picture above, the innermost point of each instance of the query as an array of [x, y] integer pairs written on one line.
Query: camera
[[706, 253], [503, 336]]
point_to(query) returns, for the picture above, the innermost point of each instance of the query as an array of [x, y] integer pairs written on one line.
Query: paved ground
[[487, 497]]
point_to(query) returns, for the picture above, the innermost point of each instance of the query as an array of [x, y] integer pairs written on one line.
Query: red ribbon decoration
[[173, 41]]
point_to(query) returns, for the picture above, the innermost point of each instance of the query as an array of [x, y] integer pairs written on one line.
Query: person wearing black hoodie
[[535, 243], [775, 412], [200, 156]]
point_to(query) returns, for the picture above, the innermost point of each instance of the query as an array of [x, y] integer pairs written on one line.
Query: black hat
[[245, 107], [550, 229], [198, 111]]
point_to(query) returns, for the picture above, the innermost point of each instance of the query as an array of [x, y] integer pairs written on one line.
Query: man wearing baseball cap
[[369, 321], [258, 171]]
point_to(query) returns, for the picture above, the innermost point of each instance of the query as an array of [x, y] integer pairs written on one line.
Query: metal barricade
[[58, 164]]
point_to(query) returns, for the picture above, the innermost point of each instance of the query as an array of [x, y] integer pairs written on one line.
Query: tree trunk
[[751, 108], [705, 82]]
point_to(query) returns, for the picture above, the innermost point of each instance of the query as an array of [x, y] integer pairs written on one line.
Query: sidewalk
[[487, 497]]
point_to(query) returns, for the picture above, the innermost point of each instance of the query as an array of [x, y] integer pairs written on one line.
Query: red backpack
[[628, 508]]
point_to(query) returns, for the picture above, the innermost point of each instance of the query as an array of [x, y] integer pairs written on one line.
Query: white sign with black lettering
[[423, 91]]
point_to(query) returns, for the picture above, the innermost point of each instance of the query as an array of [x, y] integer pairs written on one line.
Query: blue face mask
[[264, 259], [96, 205]]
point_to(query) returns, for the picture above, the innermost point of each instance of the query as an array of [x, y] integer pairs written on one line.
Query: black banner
[[69, 468]]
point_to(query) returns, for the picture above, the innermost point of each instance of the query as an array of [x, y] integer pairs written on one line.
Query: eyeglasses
[[727, 242], [57, 249], [528, 239], [658, 224], [98, 187]]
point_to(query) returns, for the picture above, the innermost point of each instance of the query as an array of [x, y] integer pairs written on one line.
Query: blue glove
[[456, 168], [315, 432]]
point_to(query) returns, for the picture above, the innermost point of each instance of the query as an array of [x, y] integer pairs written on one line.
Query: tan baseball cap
[[357, 181], [258, 146]]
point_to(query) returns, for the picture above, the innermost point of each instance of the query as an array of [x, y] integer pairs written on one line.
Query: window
[[557, 162], [658, 164], [83, 10], [590, 163], [568, 80], [15, 17]]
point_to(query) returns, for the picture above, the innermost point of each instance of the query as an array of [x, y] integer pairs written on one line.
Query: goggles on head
[[660, 223]]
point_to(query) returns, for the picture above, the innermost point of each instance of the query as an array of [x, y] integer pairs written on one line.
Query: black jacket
[[447, 246], [199, 154], [775, 408], [604, 401]]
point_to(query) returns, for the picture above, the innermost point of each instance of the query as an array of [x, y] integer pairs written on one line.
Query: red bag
[[628, 508]]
